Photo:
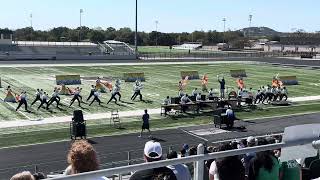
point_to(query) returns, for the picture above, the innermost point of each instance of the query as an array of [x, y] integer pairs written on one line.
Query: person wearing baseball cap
[[153, 152]]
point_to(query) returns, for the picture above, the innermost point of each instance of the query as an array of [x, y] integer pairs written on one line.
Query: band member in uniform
[[199, 102], [137, 90], [23, 100], [96, 95], [184, 100], [180, 86], [268, 96], [167, 102], [38, 96], [195, 92], [222, 86], [118, 88], [211, 93], [181, 93], [93, 89], [9, 96], [54, 98], [76, 96], [284, 93], [258, 97], [204, 83], [113, 95], [44, 100]]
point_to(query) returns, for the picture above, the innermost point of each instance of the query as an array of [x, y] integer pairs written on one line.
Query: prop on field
[[238, 73], [191, 74], [183, 83], [103, 86], [240, 83], [10, 97], [132, 77], [204, 83], [289, 80], [64, 90], [68, 79]]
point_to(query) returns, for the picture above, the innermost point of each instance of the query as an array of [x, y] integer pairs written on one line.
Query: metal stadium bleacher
[[64, 50]]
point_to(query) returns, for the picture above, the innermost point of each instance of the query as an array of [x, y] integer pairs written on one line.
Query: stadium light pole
[[156, 32], [136, 32], [31, 26], [250, 20], [81, 11], [224, 28]]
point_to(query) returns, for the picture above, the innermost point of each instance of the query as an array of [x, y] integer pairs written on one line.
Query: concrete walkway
[[51, 120]]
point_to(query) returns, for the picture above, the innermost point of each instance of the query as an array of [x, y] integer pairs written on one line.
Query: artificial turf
[[161, 80]]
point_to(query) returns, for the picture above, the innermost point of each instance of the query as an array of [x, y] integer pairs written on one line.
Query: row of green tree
[[123, 34]]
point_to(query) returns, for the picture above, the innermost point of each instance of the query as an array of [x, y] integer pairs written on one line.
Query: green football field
[[161, 80]]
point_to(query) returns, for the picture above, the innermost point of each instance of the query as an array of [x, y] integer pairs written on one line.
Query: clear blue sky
[[173, 15]]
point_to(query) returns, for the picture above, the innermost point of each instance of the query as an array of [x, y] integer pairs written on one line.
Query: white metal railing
[[47, 43], [198, 159]]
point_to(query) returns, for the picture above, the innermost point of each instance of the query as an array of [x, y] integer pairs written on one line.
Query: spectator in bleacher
[[82, 157], [180, 170], [26, 175], [251, 142], [153, 152], [228, 168], [264, 166], [230, 117], [289, 170]]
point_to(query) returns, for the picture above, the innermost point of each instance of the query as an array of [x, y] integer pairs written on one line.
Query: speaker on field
[[77, 116], [78, 127]]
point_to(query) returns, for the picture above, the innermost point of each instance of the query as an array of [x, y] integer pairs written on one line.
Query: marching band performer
[[54, 98], [195, 92], [181, 93], [92, 90], [222, 86], [137, 90], [23, 100], [76, 96], [38, 96], [44, 99], [204, 83], [96, 95]]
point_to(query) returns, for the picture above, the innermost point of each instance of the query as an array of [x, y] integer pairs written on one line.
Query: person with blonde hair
[[82, 157], [26, 175]]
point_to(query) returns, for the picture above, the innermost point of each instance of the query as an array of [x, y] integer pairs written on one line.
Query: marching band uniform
[[184, 100], [92, 90], [44, 99], [96, 95], [167, 102], [211, 93], [284, 93], [113, 95], [137, 91], [38, 96], [54, 98], [23, 100], [195, 92], [76, 96], [181, 93]]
